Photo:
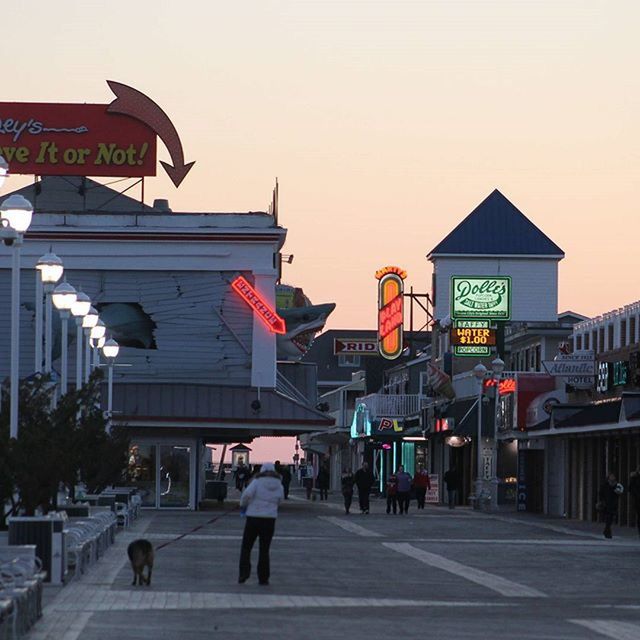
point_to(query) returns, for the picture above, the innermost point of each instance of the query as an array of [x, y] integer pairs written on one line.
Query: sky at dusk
[[385, 122]]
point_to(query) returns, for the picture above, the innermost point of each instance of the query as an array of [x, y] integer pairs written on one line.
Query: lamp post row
[[16, 213]]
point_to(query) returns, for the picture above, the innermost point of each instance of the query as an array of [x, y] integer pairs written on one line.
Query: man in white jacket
[[259, 502]]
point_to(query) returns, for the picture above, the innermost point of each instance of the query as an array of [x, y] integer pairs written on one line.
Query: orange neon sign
[[261, 308], [506, 386], [390, 311]]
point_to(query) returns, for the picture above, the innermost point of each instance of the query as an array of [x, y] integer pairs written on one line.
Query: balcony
[[392, 406]]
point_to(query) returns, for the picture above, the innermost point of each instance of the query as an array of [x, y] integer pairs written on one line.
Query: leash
[[200, 526]]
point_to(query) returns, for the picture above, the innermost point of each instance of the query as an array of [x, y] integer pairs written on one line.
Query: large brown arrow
[[131, 102]]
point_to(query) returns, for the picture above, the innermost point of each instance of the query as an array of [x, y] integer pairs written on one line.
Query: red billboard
[[75, 140]]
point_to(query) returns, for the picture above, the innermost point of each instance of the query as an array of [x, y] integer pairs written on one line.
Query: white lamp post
[[97, 334], [88, 322], [50, 269], [497, 367], [479, 371], [16, 213], [79, 310], [110, 351], [4, 170], [64, 296]]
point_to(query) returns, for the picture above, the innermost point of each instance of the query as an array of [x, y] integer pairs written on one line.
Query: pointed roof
[[496, 227], [68, 194]]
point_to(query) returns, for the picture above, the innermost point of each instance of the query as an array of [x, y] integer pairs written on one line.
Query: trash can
[[47, 533], [215, 490]]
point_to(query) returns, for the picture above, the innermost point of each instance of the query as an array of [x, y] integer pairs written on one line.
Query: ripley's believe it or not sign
[[390, 311], [116, 139], [481, 297]]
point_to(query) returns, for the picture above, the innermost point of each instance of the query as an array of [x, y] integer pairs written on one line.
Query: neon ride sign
[[262, 309], [391, 311]]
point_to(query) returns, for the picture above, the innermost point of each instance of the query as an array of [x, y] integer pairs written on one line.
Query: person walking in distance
[[364, 481], [404, 489], [452, 480], [259, 501], [285, 474], [324, 476], [634, 492], [347, 480], [421, 483], [309, 478], [608, 501], [392, 493]]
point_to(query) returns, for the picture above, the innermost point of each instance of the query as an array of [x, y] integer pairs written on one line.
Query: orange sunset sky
[[386, 122]]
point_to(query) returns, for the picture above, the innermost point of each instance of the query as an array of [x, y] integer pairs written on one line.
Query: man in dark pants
[[608, 497], [634, 492], [452, 479], [259, 502], [364, 481]]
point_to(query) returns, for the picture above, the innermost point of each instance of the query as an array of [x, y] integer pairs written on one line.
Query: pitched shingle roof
[[497, 227]]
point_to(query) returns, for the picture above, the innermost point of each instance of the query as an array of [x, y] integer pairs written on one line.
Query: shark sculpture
[[303, 323]]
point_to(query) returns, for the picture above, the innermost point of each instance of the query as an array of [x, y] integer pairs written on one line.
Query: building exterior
[[201, 361]]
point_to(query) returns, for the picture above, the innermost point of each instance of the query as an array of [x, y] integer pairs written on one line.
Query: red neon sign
[[270, 318], [507, 385], [390, 311]]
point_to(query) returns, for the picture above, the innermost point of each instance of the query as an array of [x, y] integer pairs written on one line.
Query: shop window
[[348, 360]]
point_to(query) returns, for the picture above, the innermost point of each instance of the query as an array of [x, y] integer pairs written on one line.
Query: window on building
[[348, 360], [632, 330], [623, 333], [578, 343], [538, 356], [609, 346]]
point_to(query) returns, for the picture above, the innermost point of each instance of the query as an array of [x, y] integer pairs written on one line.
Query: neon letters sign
[[390, 311], [262, 309]]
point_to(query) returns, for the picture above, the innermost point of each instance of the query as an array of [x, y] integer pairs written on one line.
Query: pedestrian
[[608, 501], [346, 481], [308, 479], [452, 480], [285, 474], [364, 481], [259, 501], [404, 489], [634, 492], [242, 475], [392, 493], [324, 475], [421, 483]]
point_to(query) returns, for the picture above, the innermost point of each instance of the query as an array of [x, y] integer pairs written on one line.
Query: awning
[[217, 413], [463, 418]]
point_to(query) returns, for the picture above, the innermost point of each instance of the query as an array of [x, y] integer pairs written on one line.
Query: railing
[[285, 387], [392, 406]]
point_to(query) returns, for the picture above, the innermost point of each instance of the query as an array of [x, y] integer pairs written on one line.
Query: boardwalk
[[435, 574]]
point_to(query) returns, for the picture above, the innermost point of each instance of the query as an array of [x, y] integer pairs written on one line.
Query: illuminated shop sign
[[116, 139], [506, 386], [362, 347], [361, 423], [261, 308], [486, 297], [390, 311], [472, 338]]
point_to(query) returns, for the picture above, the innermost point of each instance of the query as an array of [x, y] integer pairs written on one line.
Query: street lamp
[[79, 309], [50, 270], [479, 371], [110, 351], [88, 322], [64, 296], [97, 335], [4, 170], [16, 213]]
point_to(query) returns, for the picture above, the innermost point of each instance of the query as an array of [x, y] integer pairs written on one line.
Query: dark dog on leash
[[140, 553]]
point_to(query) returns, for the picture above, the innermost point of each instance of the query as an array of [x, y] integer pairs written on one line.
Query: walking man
[[404, 489], [608, 497], [364, 481], [285, 474], [392, 493], [347, 480], [422, 484], [452, 480], [260, 502], [634, 492]]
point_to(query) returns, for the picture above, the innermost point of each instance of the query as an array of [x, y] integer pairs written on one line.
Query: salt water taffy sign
[[116, 139], [487, 297]]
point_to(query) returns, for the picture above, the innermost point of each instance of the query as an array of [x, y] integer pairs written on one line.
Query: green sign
[[482, 297]]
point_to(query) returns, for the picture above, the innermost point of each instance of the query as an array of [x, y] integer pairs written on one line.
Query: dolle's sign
[[116, 139], [481, 297]]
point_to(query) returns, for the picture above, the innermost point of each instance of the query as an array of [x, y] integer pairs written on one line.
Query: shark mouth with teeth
[[302, 325]]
